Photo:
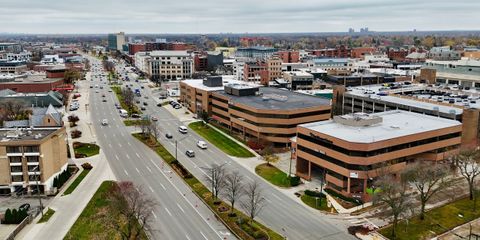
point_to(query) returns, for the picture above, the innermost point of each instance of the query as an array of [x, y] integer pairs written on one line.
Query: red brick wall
[[31, 87], [135, 47]]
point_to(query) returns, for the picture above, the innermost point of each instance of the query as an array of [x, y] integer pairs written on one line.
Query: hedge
[[344, 198]]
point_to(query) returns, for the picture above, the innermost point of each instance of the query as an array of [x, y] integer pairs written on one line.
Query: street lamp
[[176, 146], [38, 188]]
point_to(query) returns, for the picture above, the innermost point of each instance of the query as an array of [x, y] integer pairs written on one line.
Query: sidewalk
[[68, 208]]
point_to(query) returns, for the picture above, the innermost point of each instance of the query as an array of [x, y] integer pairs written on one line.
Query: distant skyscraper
[[116, 41], [351, 30]]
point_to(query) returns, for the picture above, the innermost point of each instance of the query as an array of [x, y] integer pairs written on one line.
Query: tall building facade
[[116, 41]]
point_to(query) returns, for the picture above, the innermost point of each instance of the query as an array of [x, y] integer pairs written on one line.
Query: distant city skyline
[[215, 16]]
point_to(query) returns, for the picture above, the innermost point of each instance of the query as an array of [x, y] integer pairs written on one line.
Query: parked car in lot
[[190, 153], [136, 115], [178, 106], [202, 144]]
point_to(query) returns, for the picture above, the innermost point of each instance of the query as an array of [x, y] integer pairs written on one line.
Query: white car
[[182, 129], [202, 144], [104, 122]]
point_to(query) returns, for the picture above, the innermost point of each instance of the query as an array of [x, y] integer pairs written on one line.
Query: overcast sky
[[239, 16]]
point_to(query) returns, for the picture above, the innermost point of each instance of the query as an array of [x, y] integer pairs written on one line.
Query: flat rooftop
[[293, 100], [395, 124], [228, 79], [29, 79], [23, 134]]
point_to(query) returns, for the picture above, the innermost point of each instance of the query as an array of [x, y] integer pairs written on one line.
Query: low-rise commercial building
[[298, 80], [170, 65], [257, 113], [13, 67], [31, 157], [352, 150]]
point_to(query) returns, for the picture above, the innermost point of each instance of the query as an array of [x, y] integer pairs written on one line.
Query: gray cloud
[[212, 16]]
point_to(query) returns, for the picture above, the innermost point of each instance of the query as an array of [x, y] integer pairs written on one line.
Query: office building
[[11, 67], [443, 54], [289, 56], [31, 157], [116, 41], [170, 65], [352, 150], [298, 80], [259, 53], [11, 47]]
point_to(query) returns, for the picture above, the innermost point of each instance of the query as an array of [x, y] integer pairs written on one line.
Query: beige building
[[29, 156], [274, 67]]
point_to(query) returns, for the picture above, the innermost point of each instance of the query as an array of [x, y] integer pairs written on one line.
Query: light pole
[[38, 188], [176, 146]]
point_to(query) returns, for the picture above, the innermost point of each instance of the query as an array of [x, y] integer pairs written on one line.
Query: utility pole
[[38, 189]]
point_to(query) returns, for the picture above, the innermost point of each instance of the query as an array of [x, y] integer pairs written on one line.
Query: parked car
[[178, 106], [136, 115], [202, 144], [24, 207], [190, 153]]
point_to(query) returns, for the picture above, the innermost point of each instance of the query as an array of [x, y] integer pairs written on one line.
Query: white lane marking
[[277, 197], [125, 172], [163, 187], [154, 215], [151, 189], [249, 178], [117, 157], [110, 145], [105, 135], [122, 134], [178, 205], [203, 235], [137, 170], [129, 144], [127, 156], [188, 238], [166, 209], [137, 155], [120, 145], [113, 134], [150, 170]]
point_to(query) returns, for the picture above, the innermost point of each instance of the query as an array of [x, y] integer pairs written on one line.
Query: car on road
[[183, 129], [190, 153], [104, 122], [143, 108], [154, 119], [159, 104], [104, 100], [173, 103], [142, 87], [162, 97], [103, 94], [109, 90], [145, 104], [91, 86], [101, 87], [146, 97], [137, 101], [168, 135], [202, 144], [178, 106]]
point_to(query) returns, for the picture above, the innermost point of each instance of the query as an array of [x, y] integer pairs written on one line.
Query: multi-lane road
[[131, 160], [179, 213]]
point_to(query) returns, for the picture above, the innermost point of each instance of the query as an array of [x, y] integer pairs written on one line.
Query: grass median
[[46, 216], [93, 221], [76, 182], [118, 92], [221, 141], [240, 224], [437, 221], [137, 122]]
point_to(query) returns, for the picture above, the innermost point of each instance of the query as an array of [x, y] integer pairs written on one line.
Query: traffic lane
[[132, 175]]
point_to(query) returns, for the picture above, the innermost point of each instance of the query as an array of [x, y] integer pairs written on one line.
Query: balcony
[[15, 163], [30, 164], [34, 173], [14, 154], [27, 154], [16, 173]]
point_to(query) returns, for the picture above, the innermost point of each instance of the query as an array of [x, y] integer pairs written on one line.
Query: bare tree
[[428, 179], [468, 163], [234, 188], [153, 130], [132, 210], [255, 200], [394, 196], [13, 110], [216, 178], [145, 126], [128, 98]]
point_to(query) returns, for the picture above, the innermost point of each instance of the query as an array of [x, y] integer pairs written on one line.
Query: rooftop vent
[[358, 119]]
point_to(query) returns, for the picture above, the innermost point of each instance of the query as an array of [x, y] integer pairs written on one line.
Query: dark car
[[159, 104], [136, 115], [168, 135], [24, 207], [145, 104], [143, 108], [190, 153], [104, 100]]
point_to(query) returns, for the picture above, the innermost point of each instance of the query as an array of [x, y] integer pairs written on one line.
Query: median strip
[[238, 223]]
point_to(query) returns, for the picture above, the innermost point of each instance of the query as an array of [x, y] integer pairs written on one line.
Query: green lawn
[[46, 216], [118, 92], [134, 122], [92, 222], [437, 221], [76, 182], [273, 175], [86, 149], [227, 145], [245, 230], [320, 204]]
